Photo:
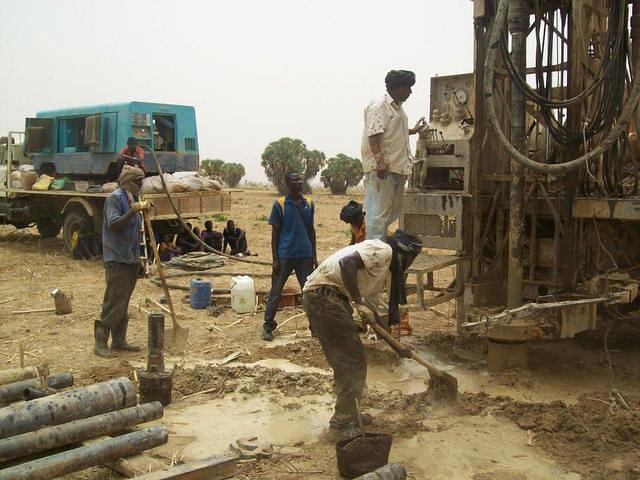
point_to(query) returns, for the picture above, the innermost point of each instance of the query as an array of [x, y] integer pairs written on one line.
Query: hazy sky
[[254, 70]]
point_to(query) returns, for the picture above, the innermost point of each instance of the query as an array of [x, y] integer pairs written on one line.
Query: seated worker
[[236, 239], [356, 273], [185, 242], [211, 237], [196, 231], [167, 248], [84, 244], [352, 214], [132, 155]]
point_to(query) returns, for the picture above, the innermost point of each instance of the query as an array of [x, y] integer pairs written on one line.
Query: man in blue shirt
[[293, 245], [121, 252]]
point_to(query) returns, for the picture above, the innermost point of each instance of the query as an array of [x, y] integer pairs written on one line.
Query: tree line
[[292, 155]]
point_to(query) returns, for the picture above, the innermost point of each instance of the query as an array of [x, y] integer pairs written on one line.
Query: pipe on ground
[[12, 392], [17, 374], [78, 431], [65, 407], [87, 456]]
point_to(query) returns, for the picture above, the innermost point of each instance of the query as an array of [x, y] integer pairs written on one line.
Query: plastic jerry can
[[243, 294]]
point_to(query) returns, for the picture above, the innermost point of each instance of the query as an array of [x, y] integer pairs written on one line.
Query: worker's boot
[[119, 335], [101, 335], [405, 328]]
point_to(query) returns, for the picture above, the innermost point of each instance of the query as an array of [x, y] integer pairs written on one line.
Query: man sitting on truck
[[121, 252], [132, 155]]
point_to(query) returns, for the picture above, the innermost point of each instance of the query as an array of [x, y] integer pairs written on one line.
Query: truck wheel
[[72, 221], [48, 228]]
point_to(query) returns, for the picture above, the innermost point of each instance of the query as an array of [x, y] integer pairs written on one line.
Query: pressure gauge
[[460, 96]]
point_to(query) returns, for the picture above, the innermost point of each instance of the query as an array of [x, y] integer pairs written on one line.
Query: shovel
[[442, 384], [180, 334]]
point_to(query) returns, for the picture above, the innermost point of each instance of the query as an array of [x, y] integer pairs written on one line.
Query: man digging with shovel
[[357, 273]]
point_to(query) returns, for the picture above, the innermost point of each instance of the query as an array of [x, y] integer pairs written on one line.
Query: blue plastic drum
[[200, 293]]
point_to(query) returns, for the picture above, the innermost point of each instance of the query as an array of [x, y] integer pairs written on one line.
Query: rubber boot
[[119, 335], [101, 335]]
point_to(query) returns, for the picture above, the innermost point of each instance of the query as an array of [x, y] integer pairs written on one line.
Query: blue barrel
[[200, 293]]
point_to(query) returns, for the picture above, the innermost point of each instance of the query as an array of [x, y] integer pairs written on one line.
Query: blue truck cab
[[84, 142]]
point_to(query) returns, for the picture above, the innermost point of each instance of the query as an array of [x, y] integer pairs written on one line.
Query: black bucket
[[361, 455]]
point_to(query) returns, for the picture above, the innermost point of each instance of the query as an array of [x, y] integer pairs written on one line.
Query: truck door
[[38, 135]]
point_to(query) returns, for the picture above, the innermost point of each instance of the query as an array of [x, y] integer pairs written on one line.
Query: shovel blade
[[177, 339], [444, 386]]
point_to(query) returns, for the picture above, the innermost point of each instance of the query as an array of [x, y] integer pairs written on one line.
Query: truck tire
[[48, 228], [72, 221]]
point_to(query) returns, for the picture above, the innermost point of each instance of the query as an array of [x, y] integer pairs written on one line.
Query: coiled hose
[[558, 168]]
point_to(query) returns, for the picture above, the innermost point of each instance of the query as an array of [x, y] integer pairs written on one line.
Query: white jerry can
[[243, 294]]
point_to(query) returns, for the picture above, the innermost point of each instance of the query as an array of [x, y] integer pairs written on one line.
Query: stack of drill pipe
[[33, 427]]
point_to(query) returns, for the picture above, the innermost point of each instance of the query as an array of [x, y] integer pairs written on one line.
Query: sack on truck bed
[[211, 184], [28, 178], [43, 183], [148, 185], [192, 180], [173, 184], [109, 187]]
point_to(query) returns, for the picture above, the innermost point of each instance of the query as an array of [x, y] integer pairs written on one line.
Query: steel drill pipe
[[67, 406], [13, 391], [88, 456], [17, 374], [78, 431]]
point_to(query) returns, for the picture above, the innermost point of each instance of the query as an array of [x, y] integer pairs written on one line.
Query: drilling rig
[[530, 171]]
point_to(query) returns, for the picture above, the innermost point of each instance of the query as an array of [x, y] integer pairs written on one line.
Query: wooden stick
[[290, 318], [147, 222], [7, 300], [38, 310], [235, 323], [159, 305]]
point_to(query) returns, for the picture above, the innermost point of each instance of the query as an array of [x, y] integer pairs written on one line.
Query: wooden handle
[[158, 263], [404, 350]]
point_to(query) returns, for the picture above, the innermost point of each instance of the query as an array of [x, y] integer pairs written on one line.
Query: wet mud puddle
[[410, 377], [200, 430], [474, 448]]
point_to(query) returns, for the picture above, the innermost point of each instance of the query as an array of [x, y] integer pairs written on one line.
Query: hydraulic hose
[[183, 223], [492, 118]]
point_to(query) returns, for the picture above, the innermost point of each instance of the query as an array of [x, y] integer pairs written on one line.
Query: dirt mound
[[101, 373], [592, 437], [309, 354], [305, 354], [452, 347], [401, 415], [247, 380]]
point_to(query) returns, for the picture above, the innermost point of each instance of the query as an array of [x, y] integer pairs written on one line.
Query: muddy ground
[[561, 418]]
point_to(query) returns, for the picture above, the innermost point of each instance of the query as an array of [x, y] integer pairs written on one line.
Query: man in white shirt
[[386, 153], [358, 273]]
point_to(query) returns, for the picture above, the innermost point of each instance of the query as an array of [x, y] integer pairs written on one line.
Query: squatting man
[[358, 273]]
